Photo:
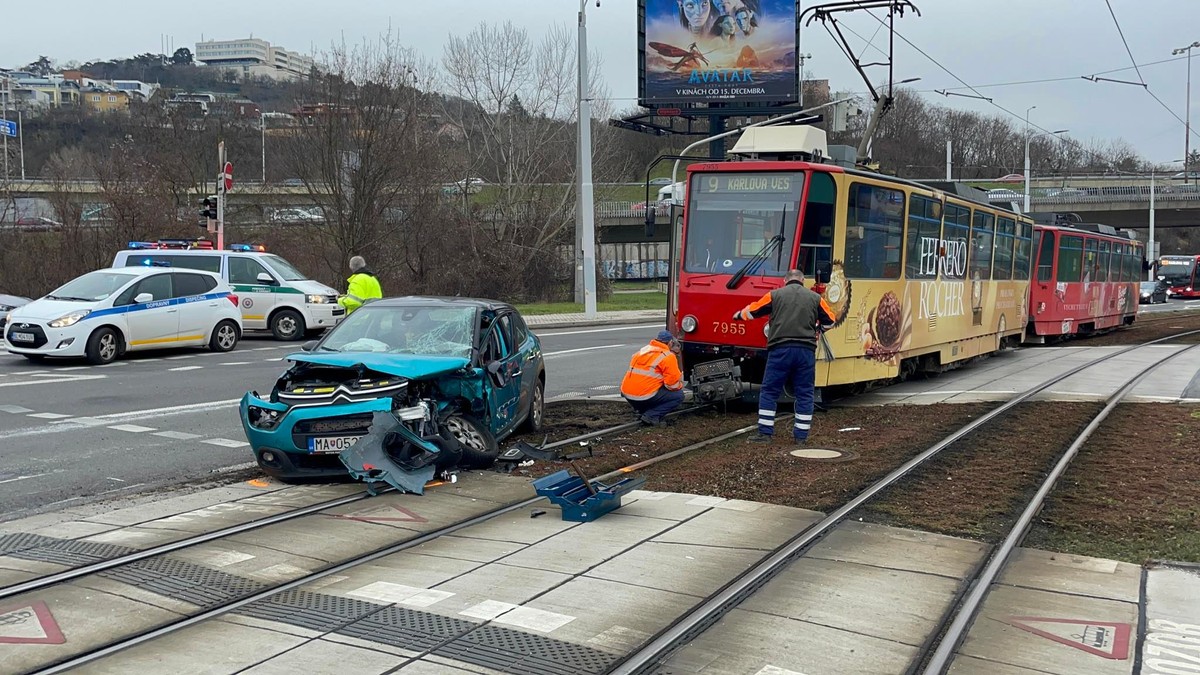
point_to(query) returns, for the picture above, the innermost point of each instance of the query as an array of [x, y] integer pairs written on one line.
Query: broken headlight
[[263, 418]]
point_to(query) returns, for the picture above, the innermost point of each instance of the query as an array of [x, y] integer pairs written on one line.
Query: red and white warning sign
[[1103, 638], [30, 624], [387, 513]]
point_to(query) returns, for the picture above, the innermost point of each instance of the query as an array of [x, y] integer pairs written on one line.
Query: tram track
[[24, 591], [687, 628]]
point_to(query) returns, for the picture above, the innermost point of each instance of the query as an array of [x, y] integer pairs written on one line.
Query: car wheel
[[537, 408], [287, 325], [103, 346], [478, 444], [224, 337]]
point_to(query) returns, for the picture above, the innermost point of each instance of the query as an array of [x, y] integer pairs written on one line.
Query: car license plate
[[21, 337], [325, 444]]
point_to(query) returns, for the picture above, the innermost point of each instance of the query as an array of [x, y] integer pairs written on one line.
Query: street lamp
[[1187, 116], [585, 226], [1029, 138]]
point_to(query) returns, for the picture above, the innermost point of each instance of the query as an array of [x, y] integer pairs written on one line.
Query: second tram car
[[920, 279], [1086, 281], [1180, 272]]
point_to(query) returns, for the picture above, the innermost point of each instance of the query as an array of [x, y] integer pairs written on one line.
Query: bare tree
[[367, 153]]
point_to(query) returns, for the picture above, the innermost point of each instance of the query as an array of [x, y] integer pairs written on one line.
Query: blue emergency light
[[140, 245], [247, 247]]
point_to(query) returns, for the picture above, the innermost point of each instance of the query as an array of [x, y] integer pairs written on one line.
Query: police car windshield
[[425, 331], [91, 287], [283, 268]]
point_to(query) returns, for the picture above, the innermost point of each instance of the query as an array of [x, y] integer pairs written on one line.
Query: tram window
[[1090, 260], [1006, 239], [1114, 266], [924, 240], [1023, 250], [1102, 261], [874, 232], [982, 233], [1120, 264], [956, 230], [731, 216], [816, 233], [1070, 258], [1045, 262]]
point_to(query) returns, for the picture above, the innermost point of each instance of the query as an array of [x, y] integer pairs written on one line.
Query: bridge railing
[[1115, 193]]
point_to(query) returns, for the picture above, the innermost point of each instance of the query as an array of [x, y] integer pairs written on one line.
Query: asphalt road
[[70, 432]]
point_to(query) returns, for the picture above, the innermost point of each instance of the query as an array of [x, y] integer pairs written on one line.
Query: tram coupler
[[715, 381]]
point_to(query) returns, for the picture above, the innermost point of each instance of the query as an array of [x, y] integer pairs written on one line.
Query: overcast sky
[[981, 41]]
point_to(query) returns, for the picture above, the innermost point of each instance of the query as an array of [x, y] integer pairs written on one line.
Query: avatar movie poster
[[728, 51]]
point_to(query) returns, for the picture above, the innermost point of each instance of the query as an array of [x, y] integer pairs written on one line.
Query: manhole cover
[[824, 454]]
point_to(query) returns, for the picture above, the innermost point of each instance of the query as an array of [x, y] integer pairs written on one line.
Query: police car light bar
[[247, 247], [172, 243]]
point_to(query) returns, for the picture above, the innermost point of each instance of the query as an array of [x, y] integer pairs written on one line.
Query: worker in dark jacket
[[362, 286], [796, 315], [653, 385]]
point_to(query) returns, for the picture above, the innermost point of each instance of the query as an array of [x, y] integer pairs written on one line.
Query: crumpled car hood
[[411, 366]]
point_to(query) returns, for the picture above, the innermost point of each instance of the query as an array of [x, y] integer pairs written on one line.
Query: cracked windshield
[[426, 331]]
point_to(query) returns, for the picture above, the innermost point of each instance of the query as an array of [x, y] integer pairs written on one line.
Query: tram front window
[[733, 216]]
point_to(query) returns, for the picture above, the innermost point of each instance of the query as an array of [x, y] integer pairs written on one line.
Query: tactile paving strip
[[521, 653], [314, 611], [68, 552], [184, 581], [407, 628]]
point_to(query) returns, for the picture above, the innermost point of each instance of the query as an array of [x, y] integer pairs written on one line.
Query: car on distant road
[[7, 304], [37, 222], [467, 372], [292, 182], [104, 314], [1011, 178], [660, 181], [1154, 291]]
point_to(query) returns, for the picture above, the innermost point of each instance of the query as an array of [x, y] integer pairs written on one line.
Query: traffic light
[[842, 112], [208, 215]]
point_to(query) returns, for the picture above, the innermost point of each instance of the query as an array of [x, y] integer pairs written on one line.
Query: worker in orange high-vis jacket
[[796, 315], [653, 385]]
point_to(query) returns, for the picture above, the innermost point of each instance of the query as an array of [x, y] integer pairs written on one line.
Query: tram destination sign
[[742, 183]]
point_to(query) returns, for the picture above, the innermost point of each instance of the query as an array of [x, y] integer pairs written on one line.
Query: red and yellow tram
[[920, 279], [1086, 281], [1181, 272]]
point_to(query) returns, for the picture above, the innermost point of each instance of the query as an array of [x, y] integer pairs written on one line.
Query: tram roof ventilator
[[783, 143]]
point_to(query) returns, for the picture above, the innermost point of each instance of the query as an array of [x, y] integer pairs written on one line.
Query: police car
[[103, 314]]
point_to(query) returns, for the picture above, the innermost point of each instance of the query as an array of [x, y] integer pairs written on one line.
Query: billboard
[[717, 51]]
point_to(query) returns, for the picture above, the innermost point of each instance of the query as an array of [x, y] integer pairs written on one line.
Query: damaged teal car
[[403, 389]]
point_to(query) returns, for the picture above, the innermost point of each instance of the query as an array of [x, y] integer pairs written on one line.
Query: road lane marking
[[49, 416], [131, 428], [581, 349], [236, 363], [177, 435], [13, 480], [183, 368], [226, 443], [171, 410], [185, 356], [69, 378], [648, 326], [14, 409]]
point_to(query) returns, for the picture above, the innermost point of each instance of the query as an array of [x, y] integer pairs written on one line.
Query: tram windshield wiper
[[753, 264]]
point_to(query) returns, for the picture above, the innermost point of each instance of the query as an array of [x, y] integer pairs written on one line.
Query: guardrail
[[1116, 193]]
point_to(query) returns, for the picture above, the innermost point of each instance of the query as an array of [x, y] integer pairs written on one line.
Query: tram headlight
[[688, 324]]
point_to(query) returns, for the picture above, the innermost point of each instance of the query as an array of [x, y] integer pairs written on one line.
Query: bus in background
[[1179, 271]]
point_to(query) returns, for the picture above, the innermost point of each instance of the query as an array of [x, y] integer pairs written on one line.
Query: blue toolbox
[[583, 500]]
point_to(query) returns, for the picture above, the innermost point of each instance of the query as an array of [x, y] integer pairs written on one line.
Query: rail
[[685, 629]]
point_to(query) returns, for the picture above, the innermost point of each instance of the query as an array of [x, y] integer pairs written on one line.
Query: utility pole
[[1187, 116], [803, 58], [585, 226], [949, 173], [21, 141], [221, 196], [263, 125], [1150, 244]]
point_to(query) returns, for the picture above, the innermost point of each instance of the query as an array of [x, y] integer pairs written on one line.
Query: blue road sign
[[8, 128]]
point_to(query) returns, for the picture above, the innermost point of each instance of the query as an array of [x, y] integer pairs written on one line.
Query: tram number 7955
[[729, 328]]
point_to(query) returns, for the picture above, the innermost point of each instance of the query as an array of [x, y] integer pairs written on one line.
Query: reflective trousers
[[788, 363], [656, 407]]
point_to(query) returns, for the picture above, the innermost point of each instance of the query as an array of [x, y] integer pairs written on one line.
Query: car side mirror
[[496, 372], [143, 298], [264, 278], [824, 271], [309, 346]]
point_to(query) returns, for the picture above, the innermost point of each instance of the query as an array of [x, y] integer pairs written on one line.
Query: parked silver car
[[7, 304]]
